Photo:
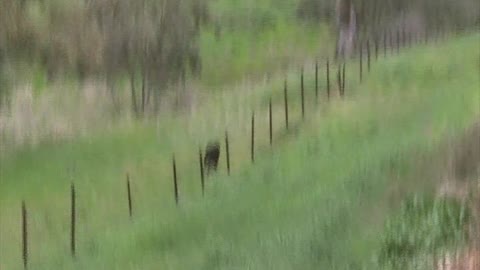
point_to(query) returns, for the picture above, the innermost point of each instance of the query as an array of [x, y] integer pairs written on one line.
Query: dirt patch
[[463, 183], [462, 169], [469, 260], [466, 158]]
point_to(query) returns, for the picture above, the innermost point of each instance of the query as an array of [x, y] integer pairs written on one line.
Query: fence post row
[[403, 39]]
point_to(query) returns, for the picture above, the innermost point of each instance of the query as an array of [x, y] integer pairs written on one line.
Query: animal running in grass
[[212, 154]]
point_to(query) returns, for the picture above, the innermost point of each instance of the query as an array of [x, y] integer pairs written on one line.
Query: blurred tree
[[15, 35], [316, 10], [346, 22], [377, 16], [155, 40]]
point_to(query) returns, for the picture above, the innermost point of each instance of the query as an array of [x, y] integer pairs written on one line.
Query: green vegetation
[[255, 38], [424, 226], [243, 54], [317, 200]]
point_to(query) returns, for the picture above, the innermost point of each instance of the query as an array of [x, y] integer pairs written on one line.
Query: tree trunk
[[113, 96], [144, 99], [346, 27], [133, 93], [148, 94]]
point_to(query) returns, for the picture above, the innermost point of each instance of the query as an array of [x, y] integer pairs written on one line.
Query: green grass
[[257, 38], [424, 226], [315, 201]]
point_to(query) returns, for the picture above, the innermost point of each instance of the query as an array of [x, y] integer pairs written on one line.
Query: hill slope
[[316, 201]]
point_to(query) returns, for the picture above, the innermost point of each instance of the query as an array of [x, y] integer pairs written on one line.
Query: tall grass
[[315, 201]]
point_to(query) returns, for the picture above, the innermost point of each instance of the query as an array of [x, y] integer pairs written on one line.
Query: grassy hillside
[[315, 201]]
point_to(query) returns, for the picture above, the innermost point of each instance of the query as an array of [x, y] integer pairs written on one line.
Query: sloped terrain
[[317, 200]]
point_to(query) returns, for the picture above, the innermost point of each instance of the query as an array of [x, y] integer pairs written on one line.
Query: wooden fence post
[[24, 236], [385, 44], [339, 80], [392, 42], [343, 78], [227, 152], [270, 119], [175, 183], [368, 55], [72, 220], [328, 78], [316, 80], [129, 197], [302, 93], [398, 41], [360, 71], [285, 96], [408, 40], [252, 145], [202, 175]]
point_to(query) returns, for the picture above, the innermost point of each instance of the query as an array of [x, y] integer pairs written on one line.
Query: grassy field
[[317, 200]]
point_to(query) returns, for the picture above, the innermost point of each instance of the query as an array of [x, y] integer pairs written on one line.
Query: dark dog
[[212, 155]]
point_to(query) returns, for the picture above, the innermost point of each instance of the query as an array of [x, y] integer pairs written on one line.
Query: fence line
[[402, 38]]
